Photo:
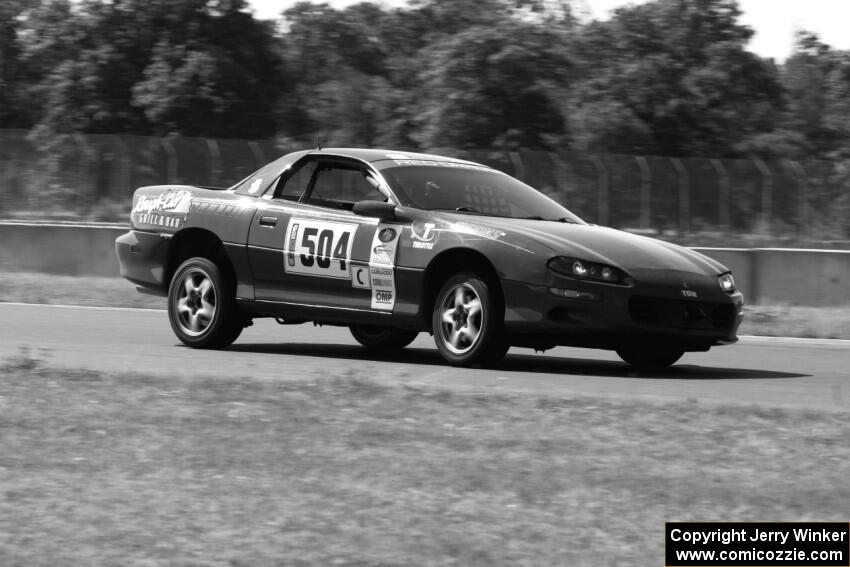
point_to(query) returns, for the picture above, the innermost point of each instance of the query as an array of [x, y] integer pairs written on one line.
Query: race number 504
[[319, 248]]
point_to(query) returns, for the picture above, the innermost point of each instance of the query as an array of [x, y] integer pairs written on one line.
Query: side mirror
[[379, 209]]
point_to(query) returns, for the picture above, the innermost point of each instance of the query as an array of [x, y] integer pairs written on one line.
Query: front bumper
[[641, 314], [142, 257]]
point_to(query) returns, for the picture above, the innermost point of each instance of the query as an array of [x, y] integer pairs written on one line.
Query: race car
[[392, 244]]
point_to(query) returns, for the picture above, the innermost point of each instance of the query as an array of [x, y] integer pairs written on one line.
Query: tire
[[202, 305], [645, 357], [467, 322], [384, 338]]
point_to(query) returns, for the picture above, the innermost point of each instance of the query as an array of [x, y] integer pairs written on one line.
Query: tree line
[[668, 77]]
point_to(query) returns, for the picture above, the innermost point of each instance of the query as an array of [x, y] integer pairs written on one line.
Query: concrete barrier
[[807, 277], [818, 278], [57, 248], [740, 261], [764, 275]]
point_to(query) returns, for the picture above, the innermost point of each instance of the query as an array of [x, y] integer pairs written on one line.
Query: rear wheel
[[202, 305], [387, 338], [467, 322], [650, 357]]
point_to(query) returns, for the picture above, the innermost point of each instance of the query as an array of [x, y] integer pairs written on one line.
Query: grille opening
[[681, 314]]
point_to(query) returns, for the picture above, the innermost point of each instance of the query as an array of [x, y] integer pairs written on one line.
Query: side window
[[340, 187], [296, 183]]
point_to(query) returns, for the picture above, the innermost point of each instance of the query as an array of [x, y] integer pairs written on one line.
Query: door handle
[[268, 221]]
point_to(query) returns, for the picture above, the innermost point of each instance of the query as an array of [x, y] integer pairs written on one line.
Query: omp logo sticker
[[382, 267], [383, 299]]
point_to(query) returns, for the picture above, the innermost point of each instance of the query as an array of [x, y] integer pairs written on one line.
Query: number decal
[[307, 241], [319, 248], [325, 242], [341, 251]]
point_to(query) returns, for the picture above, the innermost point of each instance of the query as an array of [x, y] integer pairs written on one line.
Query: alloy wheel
[[462, 319], [195, 302]]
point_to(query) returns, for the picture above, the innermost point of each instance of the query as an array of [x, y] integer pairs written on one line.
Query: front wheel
[[650, 357], [385, 338], [202, 306], [467, 322]]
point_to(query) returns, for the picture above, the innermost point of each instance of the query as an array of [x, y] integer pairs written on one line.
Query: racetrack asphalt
[[758, 370]]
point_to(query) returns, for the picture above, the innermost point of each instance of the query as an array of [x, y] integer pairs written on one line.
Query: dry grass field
[[134, 470]]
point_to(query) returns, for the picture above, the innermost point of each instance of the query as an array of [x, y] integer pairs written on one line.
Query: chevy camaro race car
[[392, 244]]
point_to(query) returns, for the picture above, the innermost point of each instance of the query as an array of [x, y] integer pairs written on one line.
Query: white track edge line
[[84, 307], [800, 340]]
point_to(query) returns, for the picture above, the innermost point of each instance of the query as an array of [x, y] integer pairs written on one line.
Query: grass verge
[[35, 287], [135, 470], [777, 320], [796, 321]]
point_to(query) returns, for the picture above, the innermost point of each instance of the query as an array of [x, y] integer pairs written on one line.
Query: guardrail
[[765, 275]]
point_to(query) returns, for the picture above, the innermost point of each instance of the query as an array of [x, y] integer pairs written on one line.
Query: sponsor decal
[[382, 277], [154, 219], [213, 208], [168, 209], [435, 163], [382, 267], [478, 230], [293, 238], [255, 186], [319, 248], [423, 235], [397, 156], [423, 231], [387, 235], [360, 277], [383, 300], [382, 254]]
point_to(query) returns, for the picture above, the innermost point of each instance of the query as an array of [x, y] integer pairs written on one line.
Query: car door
[[308, 248]]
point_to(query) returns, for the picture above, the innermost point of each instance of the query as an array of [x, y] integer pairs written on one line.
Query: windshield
[[472, 190]]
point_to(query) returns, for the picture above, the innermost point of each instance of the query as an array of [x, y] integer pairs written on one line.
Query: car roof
[[378, 155]]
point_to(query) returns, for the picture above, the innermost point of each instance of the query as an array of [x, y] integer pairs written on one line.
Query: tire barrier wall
[[764, 275]]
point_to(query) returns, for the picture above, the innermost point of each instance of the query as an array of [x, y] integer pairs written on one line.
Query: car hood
[[604, 245]]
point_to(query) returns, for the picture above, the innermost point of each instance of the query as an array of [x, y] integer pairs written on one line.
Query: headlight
[[586, 270], [727, 282]]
